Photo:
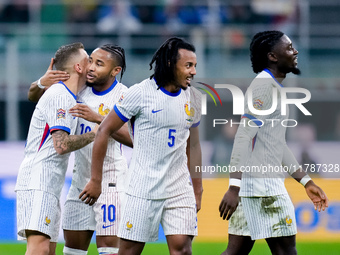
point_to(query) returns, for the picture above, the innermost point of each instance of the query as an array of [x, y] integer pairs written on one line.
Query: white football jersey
[[158, 168], [43, 168], [102, 103], [262, 159]]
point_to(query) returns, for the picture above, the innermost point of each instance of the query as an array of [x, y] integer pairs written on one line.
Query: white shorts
[[141, 217], [103, 217], [108, 213], [264, 217], [77, 215], [39, 211]]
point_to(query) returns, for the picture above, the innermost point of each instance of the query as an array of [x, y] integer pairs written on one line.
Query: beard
[[98, 82], [296, 71], [293, 70], [89, 84], [185, 88]]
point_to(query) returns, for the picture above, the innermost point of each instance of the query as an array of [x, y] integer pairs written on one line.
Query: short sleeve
[[57, 112], [129, 103], [196, 104]]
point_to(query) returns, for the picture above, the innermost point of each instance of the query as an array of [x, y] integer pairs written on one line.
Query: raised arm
[[194, 155], [48, 79], [83, 111]]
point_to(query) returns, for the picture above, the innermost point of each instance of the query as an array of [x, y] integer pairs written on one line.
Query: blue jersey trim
[[256, 121], [196, 124], [102, 93], [68, 130], [267, 70], [75, 97], [168, 92], [120, 115]]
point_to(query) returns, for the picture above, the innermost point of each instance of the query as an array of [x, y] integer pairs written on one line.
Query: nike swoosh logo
[[154, 111], [107, 226]]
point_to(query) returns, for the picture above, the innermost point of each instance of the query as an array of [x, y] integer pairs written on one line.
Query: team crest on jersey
[[103, 111], [129, 225], [47, 221], [61, 113], [258, 104], [189, 111], [289, 221]]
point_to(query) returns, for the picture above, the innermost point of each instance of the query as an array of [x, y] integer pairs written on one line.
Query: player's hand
[[91, 192], [85, 112], [317, 195], [53, 76], [229, 202]]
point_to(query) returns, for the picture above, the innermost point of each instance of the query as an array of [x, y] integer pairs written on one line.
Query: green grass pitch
[[199, 248]]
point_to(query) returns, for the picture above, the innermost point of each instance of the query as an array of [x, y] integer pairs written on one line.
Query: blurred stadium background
[[32, 30]]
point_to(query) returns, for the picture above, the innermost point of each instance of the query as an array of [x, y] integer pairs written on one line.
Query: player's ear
[[116, 71], [78, 68], [272, 57]]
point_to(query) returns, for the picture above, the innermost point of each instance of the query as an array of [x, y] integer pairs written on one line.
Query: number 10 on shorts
[[109, 213]]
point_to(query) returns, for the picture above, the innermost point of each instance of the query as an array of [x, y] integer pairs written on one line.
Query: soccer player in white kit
[[94, 103], [159, 188], [264, 210], [51, 138]]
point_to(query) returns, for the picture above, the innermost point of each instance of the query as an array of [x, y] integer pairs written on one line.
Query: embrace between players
[[159, 118]]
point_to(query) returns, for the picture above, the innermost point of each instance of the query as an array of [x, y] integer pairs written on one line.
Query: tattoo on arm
[[64, 143]]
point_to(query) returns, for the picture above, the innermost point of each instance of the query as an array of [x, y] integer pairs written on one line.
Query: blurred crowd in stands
[[129, 15]]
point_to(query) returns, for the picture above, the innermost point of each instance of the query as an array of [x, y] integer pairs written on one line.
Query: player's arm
[[35, 93], [47, 80], [85, 112], [65, 143], [245, 134], [122, 136], [194, 156], [92, 189], [314, 192]]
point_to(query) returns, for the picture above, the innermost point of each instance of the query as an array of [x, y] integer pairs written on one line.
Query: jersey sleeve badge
[[258, 104], [121, 99], [61, 114]]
